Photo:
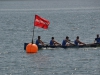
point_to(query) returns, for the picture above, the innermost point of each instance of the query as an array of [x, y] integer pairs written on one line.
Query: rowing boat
[[74, 46]]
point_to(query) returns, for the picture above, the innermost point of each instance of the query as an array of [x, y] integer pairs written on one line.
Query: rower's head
[[39, 37], [67, 37], [77, 37], [52, 38], [97, 35]]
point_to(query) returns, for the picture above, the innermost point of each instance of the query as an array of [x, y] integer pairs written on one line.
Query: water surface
[[67, 18]]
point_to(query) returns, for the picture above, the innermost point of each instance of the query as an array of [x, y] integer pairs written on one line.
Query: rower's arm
[[68, 41], [80, 42], [41, 42], [56, 42]]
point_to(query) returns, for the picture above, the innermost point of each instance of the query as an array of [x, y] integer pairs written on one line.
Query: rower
[[77, 42], [66, 42], [97, 39], [53, 42], [39, 41]]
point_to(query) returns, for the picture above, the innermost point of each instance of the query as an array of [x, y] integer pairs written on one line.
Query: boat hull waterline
[[48, 46]]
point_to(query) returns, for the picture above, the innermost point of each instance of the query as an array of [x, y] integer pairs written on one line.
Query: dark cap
[[52, 38], [39, 37], [77, 37], [97, 35], [67, 37]]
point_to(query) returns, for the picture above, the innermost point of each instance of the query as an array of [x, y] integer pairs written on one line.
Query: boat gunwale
[[73, 46]]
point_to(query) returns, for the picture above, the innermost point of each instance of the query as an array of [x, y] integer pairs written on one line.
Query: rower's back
[[97, 39]]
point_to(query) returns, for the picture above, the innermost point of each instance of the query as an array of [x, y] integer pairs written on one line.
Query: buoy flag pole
[[33, 35], [33, 30]]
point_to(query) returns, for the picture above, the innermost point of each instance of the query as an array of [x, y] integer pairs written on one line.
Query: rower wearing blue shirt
[[77, 42], [53, 42], [39, 41], [97, 39], [66, 42]]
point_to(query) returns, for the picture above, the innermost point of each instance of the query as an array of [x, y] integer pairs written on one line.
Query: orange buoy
[[31, 48]]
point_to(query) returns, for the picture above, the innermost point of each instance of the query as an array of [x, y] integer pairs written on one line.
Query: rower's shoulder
[[97, 38]]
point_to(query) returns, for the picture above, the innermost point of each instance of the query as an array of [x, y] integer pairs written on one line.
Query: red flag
[[41, 22]]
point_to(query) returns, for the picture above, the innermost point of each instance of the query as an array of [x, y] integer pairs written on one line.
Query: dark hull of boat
[[83, 46]]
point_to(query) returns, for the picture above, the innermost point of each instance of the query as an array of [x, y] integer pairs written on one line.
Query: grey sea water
[[67, 18]]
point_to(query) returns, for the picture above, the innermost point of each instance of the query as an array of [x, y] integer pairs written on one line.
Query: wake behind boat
[[74, 46]]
